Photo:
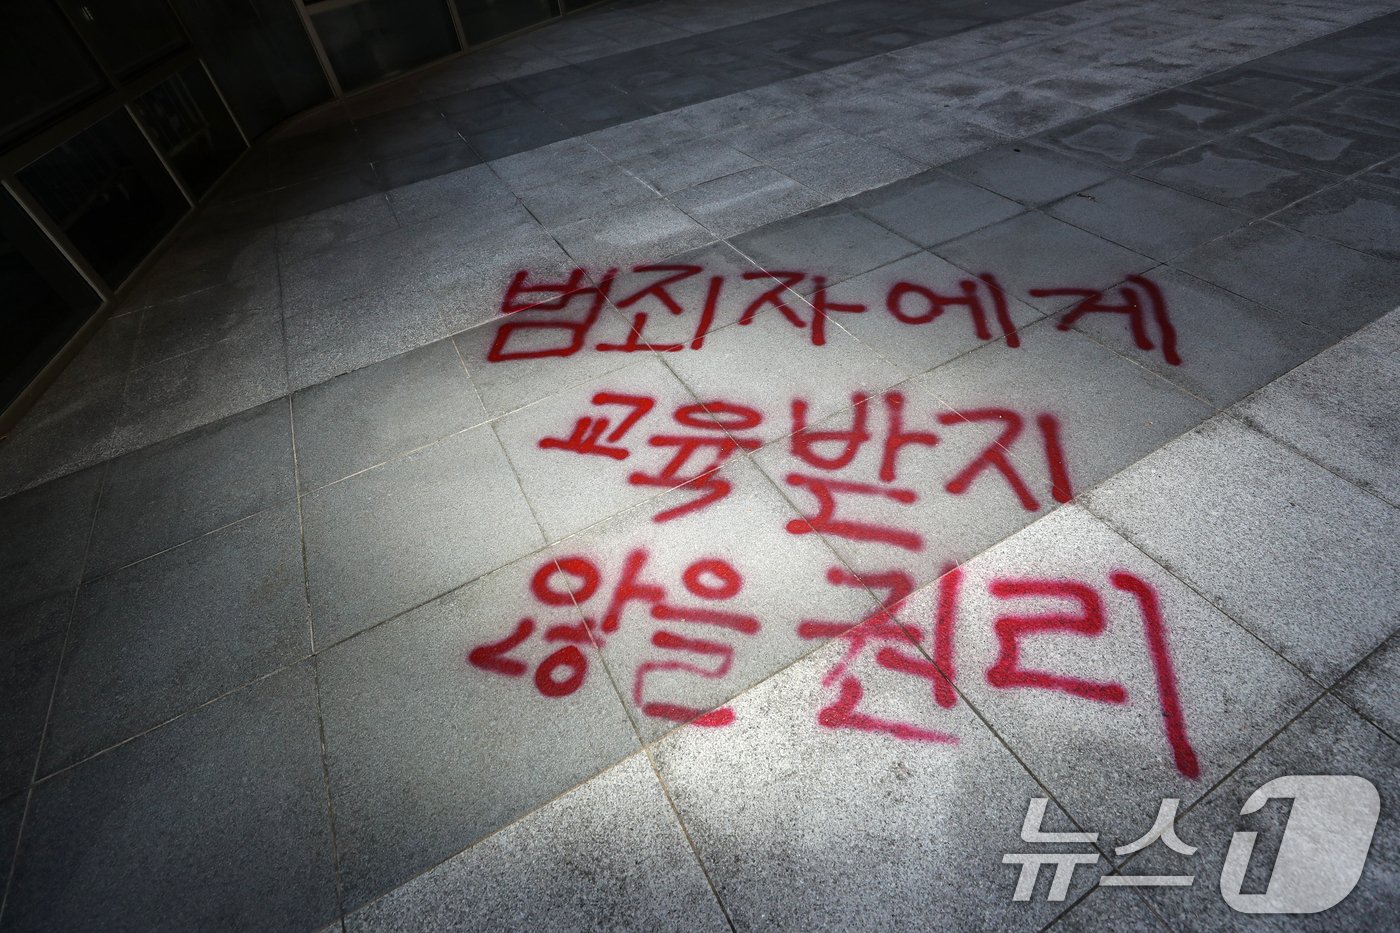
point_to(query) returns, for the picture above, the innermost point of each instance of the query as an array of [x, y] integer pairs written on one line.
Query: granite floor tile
[[1337, 408], [932, 207], [918, 313], [405, 532], [836, 242], [336, 339], [162, 636], [31, 638], [745, 200], [1293, 139], [1288, 549], [769, 363], [554, 451], [686, 164], [309, 234], [1033, 252], [476, 189], [762, 808], [1088, 712], [1221, 347], [218, 818], [194, 321], [844, 168], [373, 414], [1368, 688], [574, 863], [1320, 283], [429, 752], [191, 484], [1182, 111], [1237, 176], [1265, 89], [1327, 739], [1145, 217], [1356, 214], [641, 232], [45, 543], [197, 388], [721, 553], [1117, 143], [1027, 173]]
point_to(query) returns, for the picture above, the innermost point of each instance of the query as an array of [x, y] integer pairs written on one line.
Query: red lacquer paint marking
[[1156, 633], [1006, 671]]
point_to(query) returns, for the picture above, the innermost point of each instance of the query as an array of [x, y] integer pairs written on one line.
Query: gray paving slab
[[513, 365], [1301, 576], [478, 188], [835, 242], [205, 385], [576, 863], [904, 320], [1186, 112], [845, 167], [1034, 251], [1318, 282], [555, 458], [771, 361], [1294, 139], [1338, 408], [428, 753], [395, 536], [1370, 687], [682, 165], [744, 200], [937, 139], [931, 207], [1091, 713], [804, 792], [373, 414], [1225, 346], [1236, 176], [198, 481], [31, 638], [155, 639], [589, 194], [233, 309], [646, 231], [779, 133], [71, 427], [733, 583], [1363, 216], [1104, 425], [1102, 910], [1117, 143], [1265, 89], [217, 818], [309, 234], [335, 339], [1328, 739], [1027, 173], [1145, 217], [46, 536]]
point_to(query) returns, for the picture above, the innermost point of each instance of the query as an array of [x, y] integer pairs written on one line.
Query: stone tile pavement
[[715, 466]]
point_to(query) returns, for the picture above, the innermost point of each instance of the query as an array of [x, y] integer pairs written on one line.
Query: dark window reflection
[[127, 35], [43, 300], [108, 191], [488, 19], [43, 68], [370, 40], [259, 53], [191, 126]]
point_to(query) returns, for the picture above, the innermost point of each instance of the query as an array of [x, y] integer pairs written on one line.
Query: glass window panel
[[43, 300], [127, 35], [191, 126], [260, 54], [43, 68], [370, 40], [488, 19], [109, 193]]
